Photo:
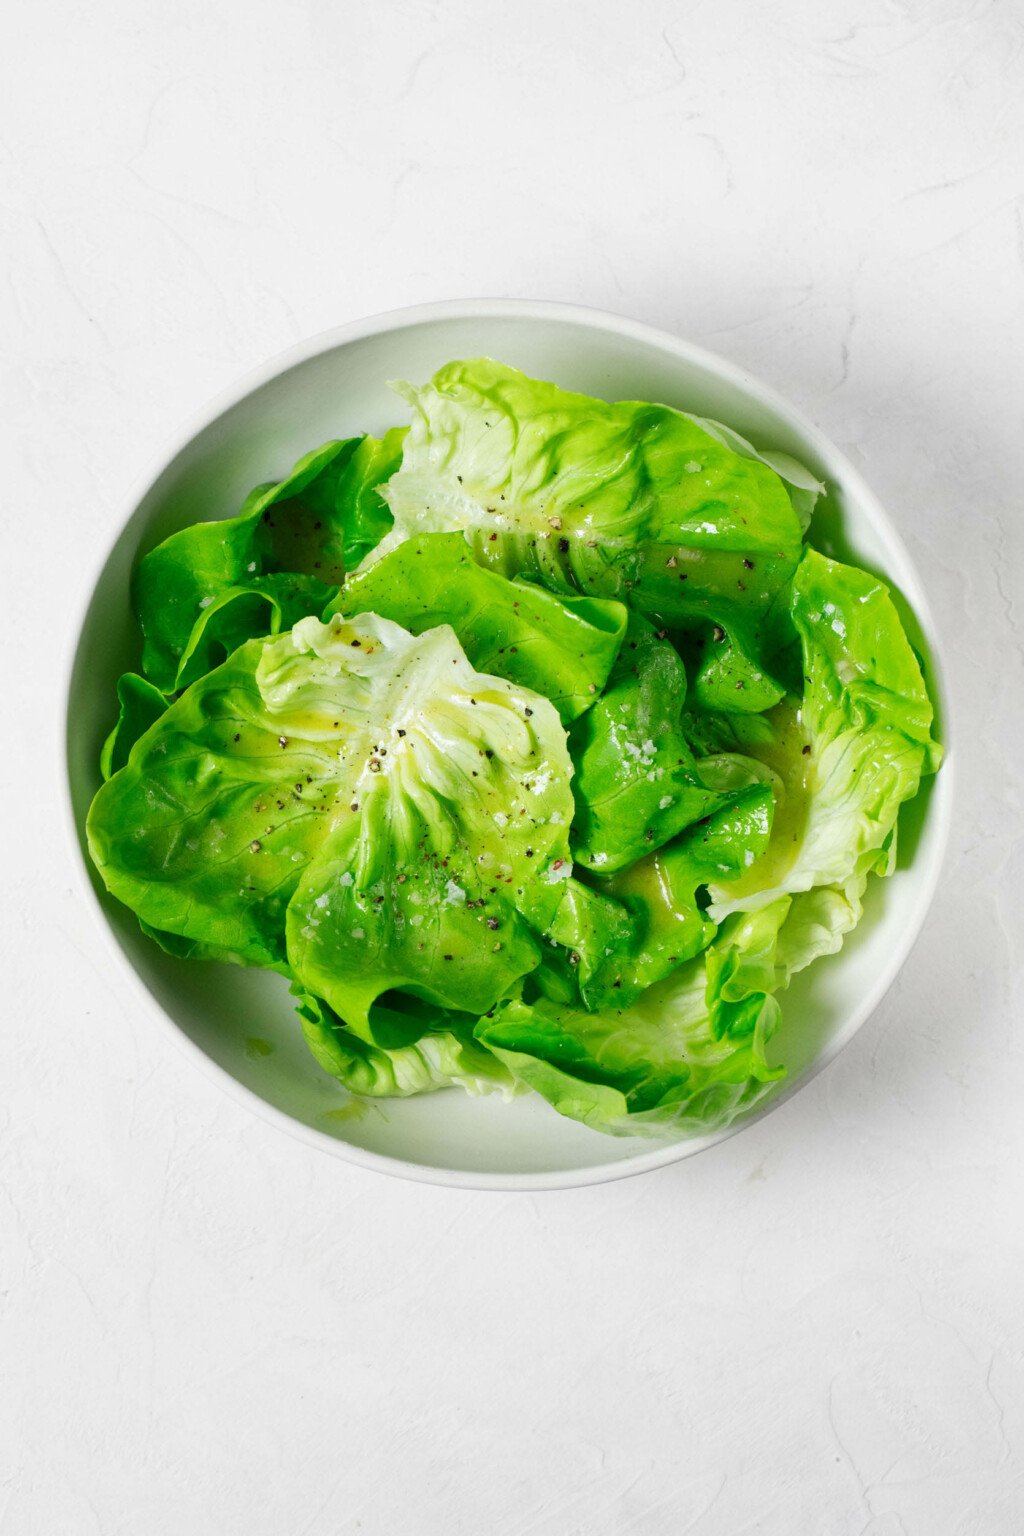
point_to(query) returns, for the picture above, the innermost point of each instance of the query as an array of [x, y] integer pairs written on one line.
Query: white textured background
[[818, 1327]]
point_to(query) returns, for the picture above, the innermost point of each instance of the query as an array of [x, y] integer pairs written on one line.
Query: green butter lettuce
[[728, 680], [653, 1068], [637, 782], [624, 933], [205, 590], [363, 511], [662, 890], [462, 805], [851, 751], [418, 1060], [139, 705], [204, 831], [533, 743], [355, 779], [689, 1054], [403, 906], [563, 647], [683, 519]]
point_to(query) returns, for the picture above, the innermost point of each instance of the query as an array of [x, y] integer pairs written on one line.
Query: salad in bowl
[[533, 742]]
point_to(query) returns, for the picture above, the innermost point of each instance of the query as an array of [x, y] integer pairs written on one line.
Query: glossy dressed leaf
[[399, 903], [851, 752], [205, 590], [629, 931], [208, 588], [205, 830], [682, 519], [637, 782], [139, 705], [561, 646], [355, 745], [366, 518], [654, 1068]]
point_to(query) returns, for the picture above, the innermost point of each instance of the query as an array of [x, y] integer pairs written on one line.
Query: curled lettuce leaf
[[563, 647], [683, 520], [463, 804], [617, 936], [204, 831], [364, 512], [401, 904], [139, 704], [322, 795], [727, 679], [655, 1068], [586, 930], [637, 782], [663, 890], [802, 487], [688, 1054], [443, 1056], [205, 590], [850, 752]]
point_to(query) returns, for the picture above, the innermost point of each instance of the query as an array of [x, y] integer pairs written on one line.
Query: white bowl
[[240, 1025]]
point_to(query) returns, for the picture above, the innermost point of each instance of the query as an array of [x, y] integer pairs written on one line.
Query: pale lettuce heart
[[408, 717]]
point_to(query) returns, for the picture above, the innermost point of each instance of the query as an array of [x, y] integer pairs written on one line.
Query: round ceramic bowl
[[240, 1025]]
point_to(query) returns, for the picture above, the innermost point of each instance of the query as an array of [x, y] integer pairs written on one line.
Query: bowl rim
[[730, 373]]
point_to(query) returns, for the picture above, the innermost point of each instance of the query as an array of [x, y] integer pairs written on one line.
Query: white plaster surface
[[818, 1327]]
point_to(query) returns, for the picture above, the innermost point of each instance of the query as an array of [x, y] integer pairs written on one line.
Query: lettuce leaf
[[681, 518], [637, 782], [444, 1056], [563, 647], [139, 704], [204, 591], [399, 903], [349, 768], [657, 1067], [688, 1055], [365, 516], [848, 754], [619, 935]]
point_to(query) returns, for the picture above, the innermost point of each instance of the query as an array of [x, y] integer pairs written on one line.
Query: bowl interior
[[243, 1022]]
